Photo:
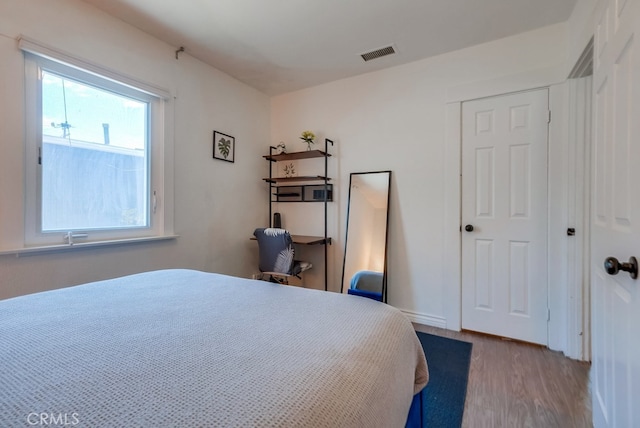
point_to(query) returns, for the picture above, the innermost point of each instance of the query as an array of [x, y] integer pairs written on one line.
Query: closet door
[[504, 215]]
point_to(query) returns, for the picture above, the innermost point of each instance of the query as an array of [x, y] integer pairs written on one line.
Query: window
[[94, 156]]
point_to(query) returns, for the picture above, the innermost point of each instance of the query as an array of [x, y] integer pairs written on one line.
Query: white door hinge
[[548, 116]]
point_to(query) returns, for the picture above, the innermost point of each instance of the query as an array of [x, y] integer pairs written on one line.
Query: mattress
[[188, 348]]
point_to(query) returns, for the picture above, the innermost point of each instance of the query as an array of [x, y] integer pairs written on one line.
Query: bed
[[189, 348]]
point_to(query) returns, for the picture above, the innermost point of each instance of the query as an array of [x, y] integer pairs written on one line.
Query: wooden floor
[[514, 384]]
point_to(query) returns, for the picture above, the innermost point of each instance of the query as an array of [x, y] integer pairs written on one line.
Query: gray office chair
[[277, 255]]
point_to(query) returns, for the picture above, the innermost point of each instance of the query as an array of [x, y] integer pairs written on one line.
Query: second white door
[[504, 215]]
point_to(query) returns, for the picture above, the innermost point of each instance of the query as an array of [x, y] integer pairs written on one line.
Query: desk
[[305, 240], [309, 240]]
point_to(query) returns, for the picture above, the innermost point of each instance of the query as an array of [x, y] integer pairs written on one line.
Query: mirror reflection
[[364, 268]]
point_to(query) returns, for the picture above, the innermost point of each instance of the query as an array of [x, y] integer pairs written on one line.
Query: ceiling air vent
[[378, 53]]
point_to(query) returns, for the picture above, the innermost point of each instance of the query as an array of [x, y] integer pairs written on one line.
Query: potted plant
[[307, 137]]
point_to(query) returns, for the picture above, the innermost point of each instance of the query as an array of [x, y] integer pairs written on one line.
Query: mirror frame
[[386, 233]]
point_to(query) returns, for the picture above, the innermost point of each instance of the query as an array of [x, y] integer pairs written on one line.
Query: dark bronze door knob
[[469, 228], [613, 266]]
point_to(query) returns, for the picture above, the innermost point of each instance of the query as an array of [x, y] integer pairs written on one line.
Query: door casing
[[560, 310]]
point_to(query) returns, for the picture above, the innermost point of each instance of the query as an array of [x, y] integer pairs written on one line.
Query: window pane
[[94, 157]]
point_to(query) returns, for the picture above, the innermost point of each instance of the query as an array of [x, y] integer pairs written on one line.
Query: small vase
[[309, 143]]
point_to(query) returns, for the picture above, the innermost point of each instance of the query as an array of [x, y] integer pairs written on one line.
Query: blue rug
[[441, 402]]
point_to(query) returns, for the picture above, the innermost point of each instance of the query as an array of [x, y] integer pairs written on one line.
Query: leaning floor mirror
[[364, 271]]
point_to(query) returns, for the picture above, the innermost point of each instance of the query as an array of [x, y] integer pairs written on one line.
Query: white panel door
[[615, 228], [504, 215]]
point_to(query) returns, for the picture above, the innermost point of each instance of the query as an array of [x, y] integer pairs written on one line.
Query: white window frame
[[38, 57]]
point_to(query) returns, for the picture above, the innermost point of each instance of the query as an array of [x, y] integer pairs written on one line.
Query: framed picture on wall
[[224, 146]]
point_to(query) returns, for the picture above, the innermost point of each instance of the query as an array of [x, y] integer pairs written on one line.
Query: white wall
[[361, 236], [580, 27], [215, 202], [397, 119], [376, 258]]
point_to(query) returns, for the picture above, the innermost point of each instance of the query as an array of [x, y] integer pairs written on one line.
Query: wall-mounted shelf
[[296, 179], [279, 191], [309, 154]]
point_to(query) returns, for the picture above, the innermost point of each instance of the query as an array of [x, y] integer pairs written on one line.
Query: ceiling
[[278, 46]]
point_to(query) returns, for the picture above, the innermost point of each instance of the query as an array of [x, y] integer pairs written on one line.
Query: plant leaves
[[224, 146], [284, 261]]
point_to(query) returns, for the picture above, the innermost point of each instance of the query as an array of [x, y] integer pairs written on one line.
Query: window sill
[[79, 245]]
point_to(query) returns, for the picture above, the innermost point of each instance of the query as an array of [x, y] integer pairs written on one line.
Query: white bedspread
[[187, 348]]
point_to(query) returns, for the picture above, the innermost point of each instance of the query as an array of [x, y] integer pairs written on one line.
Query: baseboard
[[424, 319]]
